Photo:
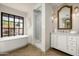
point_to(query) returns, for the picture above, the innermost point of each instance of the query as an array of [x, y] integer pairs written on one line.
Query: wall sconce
[[53, 17], [76, 9]]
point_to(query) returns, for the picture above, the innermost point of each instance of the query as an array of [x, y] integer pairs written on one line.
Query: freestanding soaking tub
[[11, 43]]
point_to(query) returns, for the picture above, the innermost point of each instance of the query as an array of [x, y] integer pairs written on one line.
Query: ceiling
[[25, 7]]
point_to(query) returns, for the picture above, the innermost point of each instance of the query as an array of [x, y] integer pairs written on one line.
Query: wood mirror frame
[[66, 24]]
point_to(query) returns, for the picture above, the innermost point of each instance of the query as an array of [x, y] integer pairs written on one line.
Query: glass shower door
[[37, 25]]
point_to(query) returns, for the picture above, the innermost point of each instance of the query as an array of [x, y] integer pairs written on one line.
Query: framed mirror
[[65, 17]]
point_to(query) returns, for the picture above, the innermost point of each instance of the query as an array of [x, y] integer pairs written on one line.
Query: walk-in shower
[[37, 24]]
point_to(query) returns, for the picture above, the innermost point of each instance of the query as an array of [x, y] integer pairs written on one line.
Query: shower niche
[[37, 24]]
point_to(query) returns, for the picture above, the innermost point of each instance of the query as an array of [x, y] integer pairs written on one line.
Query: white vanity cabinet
[[66, 43]]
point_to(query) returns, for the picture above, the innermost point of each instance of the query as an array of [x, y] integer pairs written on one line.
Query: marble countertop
[[69, 34]]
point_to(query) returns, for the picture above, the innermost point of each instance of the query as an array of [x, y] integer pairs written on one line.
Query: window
[[11, 25]]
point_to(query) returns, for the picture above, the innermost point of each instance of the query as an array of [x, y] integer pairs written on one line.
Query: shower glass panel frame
[[37, 24]]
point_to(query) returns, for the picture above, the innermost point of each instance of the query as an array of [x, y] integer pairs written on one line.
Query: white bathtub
[[11, 43]]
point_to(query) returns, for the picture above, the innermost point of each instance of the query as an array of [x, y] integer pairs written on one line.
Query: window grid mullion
[[19, 26], [23, 27], [14, 26], [1, 25], [8, 26]]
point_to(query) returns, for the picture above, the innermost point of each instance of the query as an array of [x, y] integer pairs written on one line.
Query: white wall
[[48, 24], [43, 27], [75, 19], [14, 12]]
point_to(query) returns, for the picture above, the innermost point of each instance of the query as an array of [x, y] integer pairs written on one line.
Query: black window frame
[[19, 17]]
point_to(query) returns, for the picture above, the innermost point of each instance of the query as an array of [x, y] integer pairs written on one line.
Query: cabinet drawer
[[73, 39], [72, 44]]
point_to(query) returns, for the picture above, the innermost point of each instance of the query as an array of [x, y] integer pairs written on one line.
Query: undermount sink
[[73, 32]]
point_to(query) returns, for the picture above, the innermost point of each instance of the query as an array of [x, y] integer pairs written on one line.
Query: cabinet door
[[72, 45], [77, 46], [78, 49], [54, 41], [62, 43]]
